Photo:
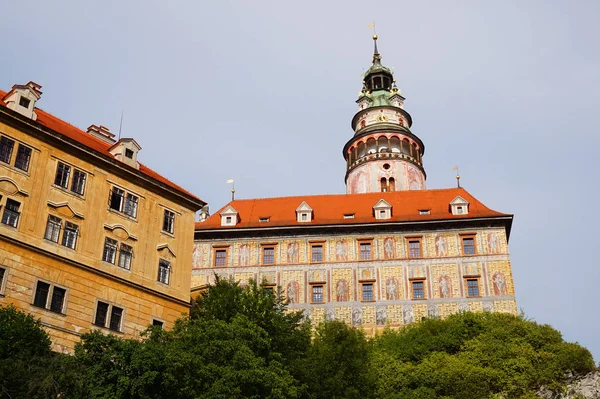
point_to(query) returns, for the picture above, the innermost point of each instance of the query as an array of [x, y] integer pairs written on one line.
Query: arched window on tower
[[406, 146], [392, 184], [361, 150], [395, 144], [382, 144], [414, 151], [371, 146], [383, 185]]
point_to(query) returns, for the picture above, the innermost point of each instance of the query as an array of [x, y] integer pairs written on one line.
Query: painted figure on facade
[[380, 315], [341, 291], [197, 257], [415, 181], [366, 274], [441, 248], [388, 248], [356, 317], [244, 255], [330, 314], [341, 251], [359, 185], [445, 287], [463, 307], [391, 289], [433, 311], [408, 314], [293, 292], [293, 252], [488, 306], [499, 283], [492, 243]]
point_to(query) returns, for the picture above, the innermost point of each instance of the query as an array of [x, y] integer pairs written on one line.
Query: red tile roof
[[58, 125], [330, 209]]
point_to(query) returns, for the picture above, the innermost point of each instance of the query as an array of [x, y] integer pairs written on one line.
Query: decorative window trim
[[263, 248], [373, 291], [108, 317], [412, 289], [114, 227], [466, 279], [363, 241], [408, 251], [57, 205], [48, 303], [315, 245], [164, 277], [463, 237], [226, 257], [323, 292]]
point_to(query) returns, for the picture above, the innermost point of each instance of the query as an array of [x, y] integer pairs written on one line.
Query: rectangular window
[[418, 289], [317, 294], [164, 269], [78, 183], [468, 245], [41, 294], [23, 158], [52, 228], [424, 212], [116, 315], [6, 148], [62, 175], [125, 255], [128, 153], [263, 220], [221, 257], [2, 274], [349, 216], [69, 238], [414, 248], [365, 251], [110, 250], [24, 102], [268, 255], [367, 292], [317, 253], [101, 314], [157, 323], [58, 300], [168, 221], [11, 213], [130, 208], [116, 199], [472, 287]]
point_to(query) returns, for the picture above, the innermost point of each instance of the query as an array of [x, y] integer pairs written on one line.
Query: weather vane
[[457, 176]]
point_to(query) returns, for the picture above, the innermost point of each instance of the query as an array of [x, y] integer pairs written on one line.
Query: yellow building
[[386, 253], [89, 237]]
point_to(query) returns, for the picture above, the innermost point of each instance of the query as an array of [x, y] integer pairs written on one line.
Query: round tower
[[383, 154]]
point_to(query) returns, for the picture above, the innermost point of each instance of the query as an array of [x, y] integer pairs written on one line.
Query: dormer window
[[424, 212], [348, 216], [459, 206], [24, 102], [304, 213], [264, 220], [382, 210], [229, 216], [22, 99], [126, 150]]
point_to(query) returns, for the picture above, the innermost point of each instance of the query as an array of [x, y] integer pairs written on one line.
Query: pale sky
[[263, 92]]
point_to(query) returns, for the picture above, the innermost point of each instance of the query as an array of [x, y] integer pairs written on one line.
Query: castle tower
[[383, 154]]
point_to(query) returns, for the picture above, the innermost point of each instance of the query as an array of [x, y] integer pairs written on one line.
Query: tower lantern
[[383, 154]]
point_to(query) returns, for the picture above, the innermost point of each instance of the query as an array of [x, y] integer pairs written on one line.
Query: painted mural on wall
[[445, 286], [342, 292], [244, 255], [493, 244], [380, 315], [441, 246], [389, 248], [341, 251], [414, 178], [356, 317], [391, 289], [293, 292], [358, 180], [499, 282], [293, 252], [197, 257]]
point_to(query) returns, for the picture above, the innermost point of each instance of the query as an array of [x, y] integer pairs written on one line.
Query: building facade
[[90, 238], [386, 253]]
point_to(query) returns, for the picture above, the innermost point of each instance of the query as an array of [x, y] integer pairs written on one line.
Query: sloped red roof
[[66, 129], [330, 209]]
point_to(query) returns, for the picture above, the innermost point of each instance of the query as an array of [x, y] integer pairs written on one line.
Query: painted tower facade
[[383, 155]]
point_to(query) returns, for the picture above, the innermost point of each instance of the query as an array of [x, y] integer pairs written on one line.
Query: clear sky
[[263, 92]]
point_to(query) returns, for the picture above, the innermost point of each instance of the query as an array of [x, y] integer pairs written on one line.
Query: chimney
[[102, 133]]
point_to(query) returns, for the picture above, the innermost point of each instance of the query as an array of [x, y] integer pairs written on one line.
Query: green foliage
[[243, 342]]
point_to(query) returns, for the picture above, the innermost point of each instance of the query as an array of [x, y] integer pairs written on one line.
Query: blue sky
[[263, 92]]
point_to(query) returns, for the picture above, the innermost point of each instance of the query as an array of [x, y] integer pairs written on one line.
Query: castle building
[[90, 238], [386, 253]]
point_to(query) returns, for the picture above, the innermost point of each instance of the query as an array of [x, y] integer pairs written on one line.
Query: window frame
[[19, 156], [313, 293], [8, 214], [409, 250], [320, 254], [362, 254], [116, 249], [78, 182], [264, 249], [108, 317], [163, 265], [121, 250], [362, 291], [4, 271], [56, 228], [168, 221], [468, 236], [7, 146], [225, 257], [477, 279], [50, 297], [423, 289], [73, 229], [128, 202]]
